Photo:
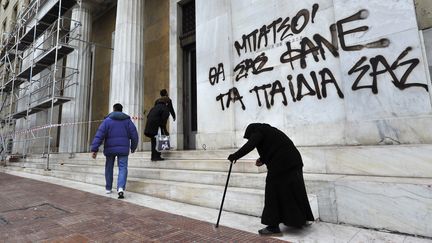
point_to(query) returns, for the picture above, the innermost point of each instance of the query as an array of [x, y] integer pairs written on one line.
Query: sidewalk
[[46, 208], [32, 211]]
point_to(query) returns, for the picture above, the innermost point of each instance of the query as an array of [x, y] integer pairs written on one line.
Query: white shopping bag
[[162, 142]]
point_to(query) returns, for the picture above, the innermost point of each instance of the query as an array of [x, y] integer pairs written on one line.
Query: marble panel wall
[[341, 72]]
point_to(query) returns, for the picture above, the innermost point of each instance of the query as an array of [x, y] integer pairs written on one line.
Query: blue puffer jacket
[[118, 133]]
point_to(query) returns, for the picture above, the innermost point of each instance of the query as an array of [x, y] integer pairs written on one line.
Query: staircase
[[379, 187], [184, 177]]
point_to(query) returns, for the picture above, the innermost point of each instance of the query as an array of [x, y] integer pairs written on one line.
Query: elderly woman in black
[[157, 119], [286, 200]]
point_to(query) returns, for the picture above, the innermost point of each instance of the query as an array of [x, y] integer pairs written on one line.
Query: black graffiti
[[245, 66], [301, 82], [259, 38], [233, 95], [327, 77], [314, 11], [214, 74], [276, 88], [316, 47], [264, 88], [307, 46], [318, 88], [362, 14], [389, 69], [315, 83]]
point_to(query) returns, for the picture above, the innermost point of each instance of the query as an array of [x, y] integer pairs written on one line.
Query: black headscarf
[[254, 127]]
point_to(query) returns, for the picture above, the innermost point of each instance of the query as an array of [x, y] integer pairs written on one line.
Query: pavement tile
[[35, 211]]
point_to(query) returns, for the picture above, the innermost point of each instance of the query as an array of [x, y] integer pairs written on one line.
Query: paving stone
[[35, 211]]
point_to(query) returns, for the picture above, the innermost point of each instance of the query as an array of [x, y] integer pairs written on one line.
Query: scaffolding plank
[[19, 115], [7, 87], [44, 61], [10, 51], [7, 55], [46, 20], [58, 100], [41, 106], [8, 45], [30, 34]]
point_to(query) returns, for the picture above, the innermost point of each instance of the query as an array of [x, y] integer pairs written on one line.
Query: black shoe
[[120, 195], [270, 231], [157, 159]]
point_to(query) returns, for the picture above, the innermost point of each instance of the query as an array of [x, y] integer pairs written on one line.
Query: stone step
[[389, 160], [240, 200], [245, 166], [244, 180], [171, 154], [367, 186], [390, 203], [317, 232]]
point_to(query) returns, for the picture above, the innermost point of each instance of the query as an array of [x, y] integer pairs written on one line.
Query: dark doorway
[[189, 97], [187, 41]]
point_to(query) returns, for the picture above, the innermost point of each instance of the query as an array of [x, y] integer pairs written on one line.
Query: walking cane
[[223, 197]]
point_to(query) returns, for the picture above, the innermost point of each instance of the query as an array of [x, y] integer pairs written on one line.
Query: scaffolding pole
[[41, 36]]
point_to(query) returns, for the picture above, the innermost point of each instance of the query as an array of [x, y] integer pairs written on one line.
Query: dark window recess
[[5, 4], [188, 20], [194, 125], [4, 25]]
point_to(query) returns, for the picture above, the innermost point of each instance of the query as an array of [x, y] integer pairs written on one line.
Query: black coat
[[286, 199], [168, 101], [156, 118], [276, 150]]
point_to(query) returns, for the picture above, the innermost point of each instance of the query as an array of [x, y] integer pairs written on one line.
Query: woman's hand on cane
[[258, 162], [232, 158]]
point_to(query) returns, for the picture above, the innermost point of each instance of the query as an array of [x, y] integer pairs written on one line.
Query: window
[[188, 18], [5, 4], [13, 20], [4, 26], [15, 13], [187, 35], [25, 4]]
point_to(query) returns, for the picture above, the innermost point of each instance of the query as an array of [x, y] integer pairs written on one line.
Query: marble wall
[[103, 28], [156, 63], [424, 13], [343, 72]]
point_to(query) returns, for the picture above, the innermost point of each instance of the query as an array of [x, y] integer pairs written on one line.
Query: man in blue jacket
[[119, 134]]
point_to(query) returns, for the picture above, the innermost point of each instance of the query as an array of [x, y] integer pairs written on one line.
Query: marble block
[[387, 160], [396, 206]]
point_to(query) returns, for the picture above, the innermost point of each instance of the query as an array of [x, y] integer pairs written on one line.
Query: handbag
[[162, 142]]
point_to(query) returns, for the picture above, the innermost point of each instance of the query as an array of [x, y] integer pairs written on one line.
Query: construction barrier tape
[[47, 126]]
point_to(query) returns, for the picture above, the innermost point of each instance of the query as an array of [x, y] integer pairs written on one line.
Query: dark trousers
[[164, 130], [154, 154]]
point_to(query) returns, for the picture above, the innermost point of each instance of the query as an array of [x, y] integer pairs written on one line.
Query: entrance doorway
[[189, 97], [187, 41]]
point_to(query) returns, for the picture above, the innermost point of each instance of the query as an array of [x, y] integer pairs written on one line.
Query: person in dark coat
[[157, 118], [285, 200], [119, 135], [164, 97]]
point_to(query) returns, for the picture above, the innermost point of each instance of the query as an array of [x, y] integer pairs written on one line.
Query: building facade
[[326, 72], [348, 81]]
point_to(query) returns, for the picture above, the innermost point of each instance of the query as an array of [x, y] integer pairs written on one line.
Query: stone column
[[127, 81], [73, 138]]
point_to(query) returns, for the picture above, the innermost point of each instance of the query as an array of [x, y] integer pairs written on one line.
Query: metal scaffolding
[[34, 74]]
